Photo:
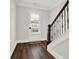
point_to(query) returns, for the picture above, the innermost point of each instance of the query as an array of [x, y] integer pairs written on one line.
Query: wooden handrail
[[50, 25], [59, 13]]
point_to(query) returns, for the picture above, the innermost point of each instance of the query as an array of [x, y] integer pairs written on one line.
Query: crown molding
[[32, 6]]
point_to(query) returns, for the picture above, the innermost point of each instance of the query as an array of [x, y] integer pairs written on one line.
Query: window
[[34, 23]]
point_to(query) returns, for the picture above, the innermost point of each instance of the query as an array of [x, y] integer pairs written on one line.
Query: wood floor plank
[[31, 51]]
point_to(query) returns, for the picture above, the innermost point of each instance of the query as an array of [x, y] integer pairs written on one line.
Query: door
[[34, 28]]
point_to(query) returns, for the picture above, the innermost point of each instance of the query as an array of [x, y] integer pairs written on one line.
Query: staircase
[[60, 25], [58, 32], [32, 50]]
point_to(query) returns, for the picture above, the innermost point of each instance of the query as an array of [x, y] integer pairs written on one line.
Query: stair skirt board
[[56, 42], [55, 54]]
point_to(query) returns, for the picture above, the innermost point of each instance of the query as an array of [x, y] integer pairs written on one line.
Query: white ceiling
[[43, 4]]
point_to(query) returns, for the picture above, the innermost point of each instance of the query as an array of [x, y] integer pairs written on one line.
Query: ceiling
[[43, 4]]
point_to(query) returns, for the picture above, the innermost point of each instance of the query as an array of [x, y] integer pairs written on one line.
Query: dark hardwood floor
[[32, 50]]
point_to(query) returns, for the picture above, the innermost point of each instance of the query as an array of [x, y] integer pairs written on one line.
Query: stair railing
[[60, 24]]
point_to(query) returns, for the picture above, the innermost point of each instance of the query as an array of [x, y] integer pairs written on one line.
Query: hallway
[[45, 23], [31, 50]]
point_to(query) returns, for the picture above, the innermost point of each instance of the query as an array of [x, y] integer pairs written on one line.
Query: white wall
[[62, 49], [23, 18], [12, 25], [54, 11]]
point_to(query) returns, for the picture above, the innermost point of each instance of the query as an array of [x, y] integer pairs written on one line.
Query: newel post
[[48, 34]]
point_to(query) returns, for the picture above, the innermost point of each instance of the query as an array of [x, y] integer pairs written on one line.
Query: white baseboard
[[22, 41], [13, 48]]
